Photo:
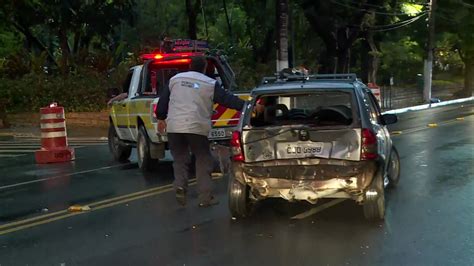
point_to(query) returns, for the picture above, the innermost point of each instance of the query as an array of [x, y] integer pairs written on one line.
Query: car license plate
[[288, 150], [217, 133]]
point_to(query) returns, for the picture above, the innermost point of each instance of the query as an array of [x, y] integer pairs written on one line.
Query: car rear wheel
[[120, 152], [394, 169], [145, 162], [374, 205], [239, 202]]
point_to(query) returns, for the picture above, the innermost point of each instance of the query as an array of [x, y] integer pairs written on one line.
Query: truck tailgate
[[224, 120]]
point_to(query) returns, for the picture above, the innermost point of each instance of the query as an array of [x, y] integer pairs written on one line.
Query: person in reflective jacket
[[184, 113]]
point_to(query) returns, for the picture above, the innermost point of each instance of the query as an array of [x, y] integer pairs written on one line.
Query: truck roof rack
[[284, 77]]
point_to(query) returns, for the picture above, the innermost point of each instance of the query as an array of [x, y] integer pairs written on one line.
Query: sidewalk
[[406, 96]]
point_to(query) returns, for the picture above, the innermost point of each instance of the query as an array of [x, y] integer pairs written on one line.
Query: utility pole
[[229, 27], [282, 33], [428, 66]]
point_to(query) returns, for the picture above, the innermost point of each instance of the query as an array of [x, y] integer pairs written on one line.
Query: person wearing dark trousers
[[184, 112]]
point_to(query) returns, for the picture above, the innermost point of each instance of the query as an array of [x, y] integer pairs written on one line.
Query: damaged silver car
[[304, 138]]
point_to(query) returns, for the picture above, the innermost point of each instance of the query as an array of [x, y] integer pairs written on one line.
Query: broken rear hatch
[[321, 124]]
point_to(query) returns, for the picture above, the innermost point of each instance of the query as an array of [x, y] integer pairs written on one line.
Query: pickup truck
[[132, 113]]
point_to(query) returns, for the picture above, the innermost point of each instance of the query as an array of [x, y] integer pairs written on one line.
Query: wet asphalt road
[[135, 220]]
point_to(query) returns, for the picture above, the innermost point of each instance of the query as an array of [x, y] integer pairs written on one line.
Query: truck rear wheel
[[145, 162], [239, 201], [120, 152], [374, 206]]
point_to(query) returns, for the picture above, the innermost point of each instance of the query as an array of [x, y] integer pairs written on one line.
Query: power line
[[401, 25], [393, 26], [369, 10], [466, 4], [377, 6]]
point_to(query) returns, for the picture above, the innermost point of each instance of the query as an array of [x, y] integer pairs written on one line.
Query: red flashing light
[[171, 55], [175, 61], [155, 106]]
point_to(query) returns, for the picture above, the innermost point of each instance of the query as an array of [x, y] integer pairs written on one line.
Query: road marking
[[11, 155], [317, 209], [62, 176], [432, 125], [59, 215], [396, 132], [416, 129], [16, 151], [106, 201], [460, 118], [13, 148]]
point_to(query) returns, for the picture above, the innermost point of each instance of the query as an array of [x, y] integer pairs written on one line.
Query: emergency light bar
[[169, 56], [190, 45], [178, 48]]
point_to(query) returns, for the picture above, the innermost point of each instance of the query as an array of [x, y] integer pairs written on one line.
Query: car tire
[[239, 201], [145, 162], [374, 206], [120, 152], [393, 169]]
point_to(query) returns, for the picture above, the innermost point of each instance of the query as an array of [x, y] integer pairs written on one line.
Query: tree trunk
[[282, 33], [468, 75], [343, 61], [374, 58], [65, 52], [192, 18], [77, 40], [32, 41]]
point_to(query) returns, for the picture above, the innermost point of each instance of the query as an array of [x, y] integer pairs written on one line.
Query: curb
[[428, 106]]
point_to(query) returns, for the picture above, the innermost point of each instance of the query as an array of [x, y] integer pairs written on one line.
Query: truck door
[[130, 105], [120, 111]]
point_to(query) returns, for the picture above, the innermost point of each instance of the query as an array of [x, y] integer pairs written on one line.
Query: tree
[[63, 20], [455, 17], [339, 28], [192, 10]]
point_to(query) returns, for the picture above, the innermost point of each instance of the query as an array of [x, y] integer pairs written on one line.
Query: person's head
[[198, 64]]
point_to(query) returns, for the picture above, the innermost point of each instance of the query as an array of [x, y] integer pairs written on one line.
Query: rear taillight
[[369, 145], [154, 106], [236, 145]]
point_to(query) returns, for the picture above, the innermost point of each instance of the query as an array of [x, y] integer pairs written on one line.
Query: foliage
[[402, 59], [84, 91], [49, 47]]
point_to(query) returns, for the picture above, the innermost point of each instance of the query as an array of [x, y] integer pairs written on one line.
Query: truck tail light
[[369, 145], [236, 145], [154, 107]]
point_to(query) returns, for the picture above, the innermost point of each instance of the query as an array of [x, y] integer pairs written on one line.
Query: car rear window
[[323, 108]]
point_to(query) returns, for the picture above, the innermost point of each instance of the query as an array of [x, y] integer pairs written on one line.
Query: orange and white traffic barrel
[[375, 91], [54, 145]]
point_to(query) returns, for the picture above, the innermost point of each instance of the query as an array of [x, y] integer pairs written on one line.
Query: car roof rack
[[284, 77]]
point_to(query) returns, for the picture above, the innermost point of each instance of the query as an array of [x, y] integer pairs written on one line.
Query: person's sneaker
[[210, 202], [181, 196]]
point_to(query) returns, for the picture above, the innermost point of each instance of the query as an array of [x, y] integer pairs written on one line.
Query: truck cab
[[132, 113]]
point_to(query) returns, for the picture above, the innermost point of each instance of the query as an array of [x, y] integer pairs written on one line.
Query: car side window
[[373, 108]]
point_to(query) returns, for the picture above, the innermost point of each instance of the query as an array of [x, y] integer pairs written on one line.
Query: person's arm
[[226, 98], [162, 110], [163, 103]]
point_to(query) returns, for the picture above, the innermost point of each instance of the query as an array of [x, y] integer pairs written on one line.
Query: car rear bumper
[[310, 182]]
